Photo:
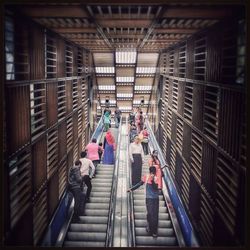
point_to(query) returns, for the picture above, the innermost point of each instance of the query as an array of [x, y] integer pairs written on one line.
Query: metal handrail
[[166, 191], [130, 200], [112, 202]]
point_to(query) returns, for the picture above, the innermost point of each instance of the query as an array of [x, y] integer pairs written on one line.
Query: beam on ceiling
[[175, 31], [54, 11], [75, 30], [198, 12], [125, 23]]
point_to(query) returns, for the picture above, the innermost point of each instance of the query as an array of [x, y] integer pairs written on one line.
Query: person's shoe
[[155, 235], [147, 229], [87, 200]]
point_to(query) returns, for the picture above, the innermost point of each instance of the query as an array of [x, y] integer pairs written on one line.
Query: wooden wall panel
[[37, 56], [53, 193], [39, 152], [17, 118], [60, 57], [51, 103]]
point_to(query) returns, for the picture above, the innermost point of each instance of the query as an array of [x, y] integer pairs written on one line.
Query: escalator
[[91, 231], [166, 233]]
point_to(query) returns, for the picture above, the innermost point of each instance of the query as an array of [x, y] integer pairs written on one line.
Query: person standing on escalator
[[74, 183], [87, 171], [109, 148], [117, 117], [154, 161], [136, 156], [152, 199]]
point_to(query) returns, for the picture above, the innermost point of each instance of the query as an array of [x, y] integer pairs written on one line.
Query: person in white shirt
[[87, 171], [136, 156]]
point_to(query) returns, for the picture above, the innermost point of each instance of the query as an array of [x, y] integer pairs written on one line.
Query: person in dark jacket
[[152, 199], [74, 182]]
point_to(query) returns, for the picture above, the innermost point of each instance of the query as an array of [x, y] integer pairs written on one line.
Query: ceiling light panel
[[105, 70], [125, 79], [125, 56], [143, 88], [124, 95], [145, 70], [106, 87]]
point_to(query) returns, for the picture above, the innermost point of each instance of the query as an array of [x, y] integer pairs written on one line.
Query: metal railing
[[130, 200], [112, 203]]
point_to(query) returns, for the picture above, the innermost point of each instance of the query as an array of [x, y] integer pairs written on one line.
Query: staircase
[[91, 230], [166, 235]]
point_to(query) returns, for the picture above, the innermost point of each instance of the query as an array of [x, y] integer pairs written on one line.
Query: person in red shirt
[[154, 161], [92, 152], [152, 199]]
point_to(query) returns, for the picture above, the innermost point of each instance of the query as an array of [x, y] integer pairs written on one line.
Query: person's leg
[[149, 215], [89, 185], [79, 204], [155, 215], [146, 148]]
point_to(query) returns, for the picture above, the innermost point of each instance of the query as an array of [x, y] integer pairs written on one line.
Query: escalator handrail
[[192, 238], [97, 134], [130, 200], [112, 202]]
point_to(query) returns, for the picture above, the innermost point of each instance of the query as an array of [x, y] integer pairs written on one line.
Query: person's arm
[[78, 175], [137, 185], [92, 168]]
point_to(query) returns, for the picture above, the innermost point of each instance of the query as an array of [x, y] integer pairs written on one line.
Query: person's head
[[155, 153], [137, 139], [78, 163], [141, 112], [152, 170], [145, 128], [100, 144], [94, 140], [83, 154]]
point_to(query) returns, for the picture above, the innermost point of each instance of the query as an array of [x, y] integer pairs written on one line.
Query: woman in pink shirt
[[92, 151]]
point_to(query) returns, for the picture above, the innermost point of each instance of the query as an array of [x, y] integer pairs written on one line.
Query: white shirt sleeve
[[92, 166], [130, 152]]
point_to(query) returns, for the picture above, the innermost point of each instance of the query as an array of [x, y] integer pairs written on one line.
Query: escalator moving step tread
[[149, 240], [86, 236], [75, 227], [84, 244]]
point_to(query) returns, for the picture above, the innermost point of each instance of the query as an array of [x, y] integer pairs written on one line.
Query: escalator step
[[97, 206], [99, 199], [94, 220], [101, 189], [143, 209], [101, 183], [86, 236], [84, 244], [141, 231], [161, 223], [107, 166], [143, 203], [100, 194], [88, 227], [102, 177], [159, 241], [162, 216], [97, 212]]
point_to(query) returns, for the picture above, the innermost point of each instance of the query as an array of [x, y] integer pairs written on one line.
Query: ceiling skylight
[[125, 56], [145, 70], [106, 87], [125, 79], [143, 88], [125, 95], [105, 70]]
